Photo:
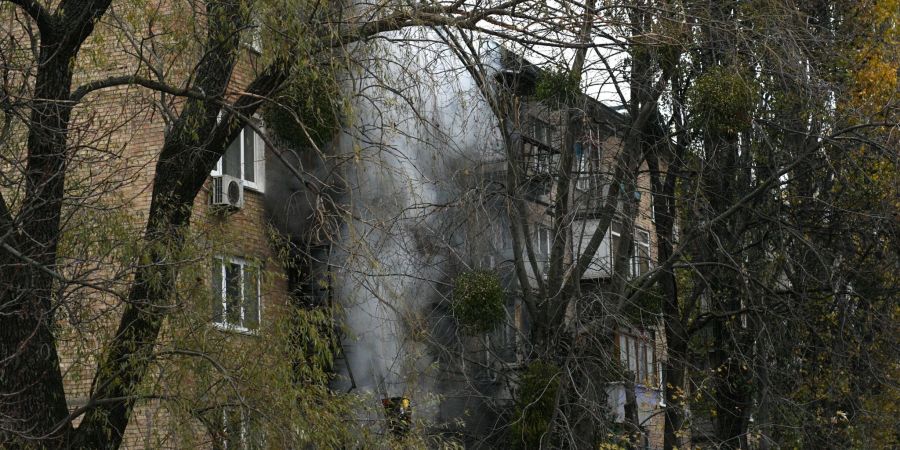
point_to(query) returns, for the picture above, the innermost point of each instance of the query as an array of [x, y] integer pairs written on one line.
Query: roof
[[522, 75]]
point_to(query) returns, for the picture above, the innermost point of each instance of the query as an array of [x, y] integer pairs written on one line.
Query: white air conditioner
[[227, 191]]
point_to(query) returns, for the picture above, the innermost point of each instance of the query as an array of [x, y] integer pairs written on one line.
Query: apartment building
[[238, 285], [639, 340], [233, 282], [437, 206]]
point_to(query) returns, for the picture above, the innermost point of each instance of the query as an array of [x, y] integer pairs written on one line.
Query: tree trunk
[[33, 407]]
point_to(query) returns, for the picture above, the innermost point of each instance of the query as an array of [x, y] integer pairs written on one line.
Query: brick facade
[[123, 132]]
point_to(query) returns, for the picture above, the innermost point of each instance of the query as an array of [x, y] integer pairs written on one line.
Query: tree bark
[[32, 399]]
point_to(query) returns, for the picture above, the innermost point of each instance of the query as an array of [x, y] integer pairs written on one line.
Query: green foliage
[[535, 402], [478, 300], [722, 101], [560, 86], [307, 108]]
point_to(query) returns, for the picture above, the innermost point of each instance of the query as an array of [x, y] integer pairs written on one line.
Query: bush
[[557, 85], [535, 401], [723, 102], [479, 302]]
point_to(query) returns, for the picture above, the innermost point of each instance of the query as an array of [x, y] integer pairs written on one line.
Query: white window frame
[[244, 439], [239, 327], [634, 264], [635, 257], [487, 262], [504, 338], [582, 180], [259, 163], [541, 131], [637, 353], [614, 236], [590, 148]]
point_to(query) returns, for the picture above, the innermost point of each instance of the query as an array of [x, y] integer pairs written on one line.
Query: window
[[501, 346], [615, 233], [637, 353], [541, 131], [640, 262], [587, 159], [238, 431], [583, 175], [640, 258], [543, 245], [245, 158], [236, 294], [538, 159], [487, 262]]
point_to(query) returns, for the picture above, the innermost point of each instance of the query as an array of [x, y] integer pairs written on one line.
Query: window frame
[[583, 178], [638, 354], [635, 260], [501, 347], [259, 162], [544, 237], [635, 257], [246, 433], [542, 131], [588, 163], [225, 324]]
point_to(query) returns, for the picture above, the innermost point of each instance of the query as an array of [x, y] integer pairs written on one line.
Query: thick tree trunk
[[676, 333], [33, 406]]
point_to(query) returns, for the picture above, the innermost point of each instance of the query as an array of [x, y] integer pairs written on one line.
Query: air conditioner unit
[[227, 191]]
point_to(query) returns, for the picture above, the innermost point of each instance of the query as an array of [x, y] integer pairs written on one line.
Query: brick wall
[[121, 134]]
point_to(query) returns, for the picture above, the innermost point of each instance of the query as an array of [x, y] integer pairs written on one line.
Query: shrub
[[535, 401], [723, 101], [479, 301], [557, 85]]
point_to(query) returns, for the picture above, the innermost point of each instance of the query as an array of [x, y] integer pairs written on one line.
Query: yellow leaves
[[875, 83], [874, 60]]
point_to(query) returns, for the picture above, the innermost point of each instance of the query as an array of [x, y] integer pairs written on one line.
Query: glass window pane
[[644, 261], [249, 154], [251, 298], [217, 290], [233, 293], [644, 237], [632, 357], [231, 163]]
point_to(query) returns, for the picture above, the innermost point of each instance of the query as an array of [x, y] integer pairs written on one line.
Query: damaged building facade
[[425, 173]]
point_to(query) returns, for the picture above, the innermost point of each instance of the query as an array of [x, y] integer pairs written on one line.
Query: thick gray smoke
[[419, 136]]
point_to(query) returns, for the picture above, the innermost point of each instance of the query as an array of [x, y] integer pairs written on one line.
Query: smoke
[[419, 135]]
